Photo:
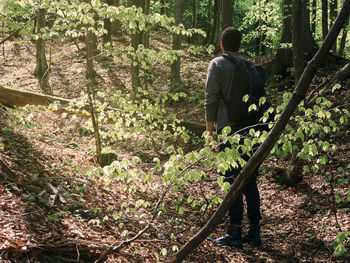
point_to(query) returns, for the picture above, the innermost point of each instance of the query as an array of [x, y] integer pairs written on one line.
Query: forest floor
[[51, 210]]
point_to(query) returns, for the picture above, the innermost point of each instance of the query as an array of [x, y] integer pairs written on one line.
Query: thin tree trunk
[[115, 25], [194, 14], [343, 39], [175, 66], [264, 149], [42, 68], [313, 18], [146, 34], [283, 60], [324, 18], [107, 37], [227, 13], [209, 21], [90, 75], [136, 39], [298, 57], [217, 23], [162, 7], [333, 11]]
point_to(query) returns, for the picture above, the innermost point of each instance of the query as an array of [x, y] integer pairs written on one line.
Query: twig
[[112, 248], [333, 205], [78, 253]]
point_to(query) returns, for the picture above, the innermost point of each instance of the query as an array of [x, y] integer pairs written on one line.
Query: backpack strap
[[231, 58]]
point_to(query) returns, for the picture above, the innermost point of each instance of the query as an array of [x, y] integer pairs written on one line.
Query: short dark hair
[[231, 39]]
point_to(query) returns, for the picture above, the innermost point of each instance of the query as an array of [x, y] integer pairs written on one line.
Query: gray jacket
[[219, 83]]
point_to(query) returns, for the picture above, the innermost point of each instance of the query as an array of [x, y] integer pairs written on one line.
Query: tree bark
[[194, 14], [42, 68], [324, 18], [215, 39], [333, 8], [227, 13], [282, 60], [259, 156], [343, 39], [19, 98], [107, 37], [146, 33], [136, 39], [90, 75], [298, 57], [115, 25], [162, 7], [313, 17], [175, 66], [209, 21]]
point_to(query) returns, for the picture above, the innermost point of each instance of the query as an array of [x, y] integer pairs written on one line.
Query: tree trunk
[[309, 44], [227, 13], [333, 11], [115, 25], [264, 149], [282, 60], [194, 14], [20, 98], [209, 21], [324, 18], [297, 40], [90, 75], [343, 39], [136, 39], [107, 37], [175, 66], [162, 7], [146, 11], [217, 24], [42, 68], [313, 18]]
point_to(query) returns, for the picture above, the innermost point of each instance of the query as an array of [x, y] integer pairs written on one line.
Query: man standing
[[219, 86]]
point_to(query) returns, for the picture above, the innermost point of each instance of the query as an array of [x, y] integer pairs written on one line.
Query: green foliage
[[261, 21]]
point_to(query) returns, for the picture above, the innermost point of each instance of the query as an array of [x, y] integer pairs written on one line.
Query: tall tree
[[107, 37], [297, 40], [175, 66], [115, 25], [313, 17], [333, 11], [282, 59], [343, 39], [42, 69], [146, 11], [194, 14], [215, 37], [209, 20], [136, 40], [324, 18], [227, 13], [309, 44]]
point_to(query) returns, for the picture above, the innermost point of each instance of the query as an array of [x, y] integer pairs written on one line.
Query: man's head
[[231, 39]]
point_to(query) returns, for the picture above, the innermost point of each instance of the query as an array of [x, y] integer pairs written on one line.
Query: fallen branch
[[339, 76], [264, 149]]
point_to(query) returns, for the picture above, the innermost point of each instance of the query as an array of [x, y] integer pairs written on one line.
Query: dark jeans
[[251, 193]]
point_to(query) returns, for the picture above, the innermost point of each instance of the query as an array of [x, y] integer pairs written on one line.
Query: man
[[220, 82]]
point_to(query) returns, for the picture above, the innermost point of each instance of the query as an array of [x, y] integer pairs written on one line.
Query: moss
[[107, 157]]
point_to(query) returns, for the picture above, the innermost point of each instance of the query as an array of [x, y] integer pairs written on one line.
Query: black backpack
[[248, 79]]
